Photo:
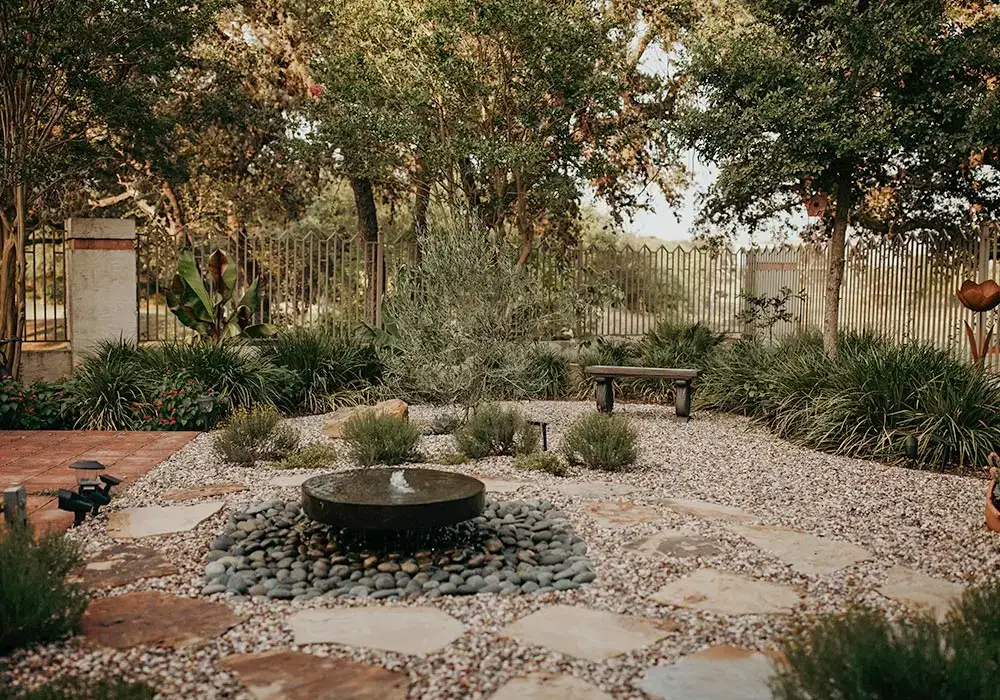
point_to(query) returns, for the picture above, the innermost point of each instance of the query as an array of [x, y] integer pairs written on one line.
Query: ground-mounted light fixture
[[91, 493]]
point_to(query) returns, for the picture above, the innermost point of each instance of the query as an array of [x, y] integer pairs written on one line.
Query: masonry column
[[100, 282]]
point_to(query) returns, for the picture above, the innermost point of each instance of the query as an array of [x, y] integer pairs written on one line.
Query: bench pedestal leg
[[605, 394], [682, 399]]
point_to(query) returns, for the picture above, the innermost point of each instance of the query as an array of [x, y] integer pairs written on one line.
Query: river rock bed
[[273, 549]]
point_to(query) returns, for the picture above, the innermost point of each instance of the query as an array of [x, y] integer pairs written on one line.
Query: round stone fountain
[[393, 499]]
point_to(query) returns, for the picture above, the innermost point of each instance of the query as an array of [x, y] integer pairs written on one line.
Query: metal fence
[[899, 290], [45, 287]]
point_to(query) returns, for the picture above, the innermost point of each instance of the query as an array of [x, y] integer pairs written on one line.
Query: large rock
[[292, 675], [155, 619], [334, 427]]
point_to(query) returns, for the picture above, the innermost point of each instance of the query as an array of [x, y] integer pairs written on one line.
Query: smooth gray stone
[[213, 588], [281, 593]]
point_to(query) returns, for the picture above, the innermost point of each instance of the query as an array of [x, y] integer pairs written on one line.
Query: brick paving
[[39, 460]]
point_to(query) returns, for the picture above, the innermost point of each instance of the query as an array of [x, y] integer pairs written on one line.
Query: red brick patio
[[39, 460]]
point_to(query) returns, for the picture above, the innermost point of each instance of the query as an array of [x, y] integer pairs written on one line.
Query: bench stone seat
[[682, 379]]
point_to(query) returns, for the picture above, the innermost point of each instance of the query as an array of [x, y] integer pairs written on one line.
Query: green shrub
[[40, 406], [542, 461], [315, 455], [547, 373], [176, 405], [107, 385], [495, 430], [254, 434], [683, 346], [378, 439], [451, 458], [319, 364], [863, 655], [602, 441], [233, 370], [82, 689], [37, 605]]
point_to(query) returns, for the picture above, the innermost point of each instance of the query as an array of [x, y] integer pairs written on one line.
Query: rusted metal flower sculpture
[[979, 297]]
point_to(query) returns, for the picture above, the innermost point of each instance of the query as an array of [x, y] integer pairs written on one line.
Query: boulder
[[334, 427]]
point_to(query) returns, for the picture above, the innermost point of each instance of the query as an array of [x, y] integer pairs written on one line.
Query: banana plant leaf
[[223, 275], [187, 270]]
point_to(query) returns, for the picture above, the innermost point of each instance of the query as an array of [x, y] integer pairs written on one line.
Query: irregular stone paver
[[198, 492], [593, 489], [918, 590], [706, 510], [122, 565], [548, 686], [727, 594], [291, 675], [155, 619], [292, 479], [594, 635], [678, 544], [159, 520], [417, 630], [717, 673], [499, 485], [808, 554], [619, 514]]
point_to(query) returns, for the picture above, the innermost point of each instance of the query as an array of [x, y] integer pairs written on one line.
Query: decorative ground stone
[[199, 492], [593, 489], [159, 520], [920, 591], [620, 514], [155, 619], [717, 673], [499, 485], [727, 594], [588, 634], [334, 427], [808, 554], [548, 686], [677, 544], [415, 630], [706, 510], [122, 565], [291, 675]]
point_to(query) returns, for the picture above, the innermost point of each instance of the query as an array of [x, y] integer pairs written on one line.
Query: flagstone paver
[[808, 554], [593, 489], [620, 514], [549, 686], [920, 591], [148, 521], [155, 619], [412, 630], [706, 510], [717, 673], [500, 485], [199, 492], [677, 544], [122, 565], [589, 634], [292, 675], [727, 594], [292, 479]]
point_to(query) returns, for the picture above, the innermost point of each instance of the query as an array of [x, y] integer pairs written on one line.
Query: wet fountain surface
[[276, 549], [393, 499]]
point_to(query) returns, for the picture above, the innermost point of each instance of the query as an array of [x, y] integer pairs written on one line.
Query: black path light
[[91, 493]]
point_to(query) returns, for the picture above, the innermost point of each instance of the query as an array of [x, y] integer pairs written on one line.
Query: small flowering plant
[[40, 406], [178, 404]]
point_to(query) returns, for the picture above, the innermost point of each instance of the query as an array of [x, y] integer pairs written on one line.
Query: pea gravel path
[[901, 518]]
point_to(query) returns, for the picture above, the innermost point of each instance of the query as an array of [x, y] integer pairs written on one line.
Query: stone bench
[[682, 379]]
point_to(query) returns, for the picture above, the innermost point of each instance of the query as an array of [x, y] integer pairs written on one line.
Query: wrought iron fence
[[45, 287], [900, 290]]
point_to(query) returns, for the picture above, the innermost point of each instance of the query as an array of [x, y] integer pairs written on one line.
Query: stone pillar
[[100, 282]]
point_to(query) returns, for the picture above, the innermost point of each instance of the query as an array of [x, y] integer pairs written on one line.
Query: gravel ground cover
[[925, 521]]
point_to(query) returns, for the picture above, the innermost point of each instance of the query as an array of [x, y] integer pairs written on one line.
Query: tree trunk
[[523, 226], [364, 200], [835, 273], [12, 283], [175, 218]]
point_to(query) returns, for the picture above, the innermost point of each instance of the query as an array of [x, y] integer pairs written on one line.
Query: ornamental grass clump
[[862, 654], [494, 430], [548, 373], [601, 441], [313, 456], [37, 605], [373, 438], [255, 434]]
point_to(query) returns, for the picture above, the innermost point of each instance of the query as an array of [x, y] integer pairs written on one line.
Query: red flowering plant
[[179, 404], [40, 406]]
